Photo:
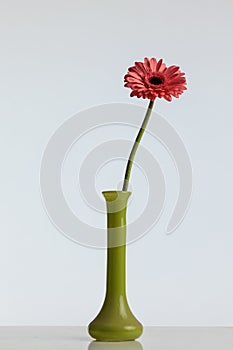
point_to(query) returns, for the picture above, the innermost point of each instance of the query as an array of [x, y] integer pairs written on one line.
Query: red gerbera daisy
[[153, 79]]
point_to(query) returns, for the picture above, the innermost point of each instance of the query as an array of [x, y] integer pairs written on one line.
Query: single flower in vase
[[150, 79]]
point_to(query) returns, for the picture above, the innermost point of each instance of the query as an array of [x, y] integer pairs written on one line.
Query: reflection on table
[[128, 345]]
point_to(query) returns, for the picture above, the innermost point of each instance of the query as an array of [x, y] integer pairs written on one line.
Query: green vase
[[115, 321]]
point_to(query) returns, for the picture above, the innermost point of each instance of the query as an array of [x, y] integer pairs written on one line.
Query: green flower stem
[[135, 146]]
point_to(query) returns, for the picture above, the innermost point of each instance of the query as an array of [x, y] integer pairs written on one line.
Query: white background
[[60, 57]]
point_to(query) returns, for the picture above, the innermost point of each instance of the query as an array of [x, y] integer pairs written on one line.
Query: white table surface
[[153, 338]]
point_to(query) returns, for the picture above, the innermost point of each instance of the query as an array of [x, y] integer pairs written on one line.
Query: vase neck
[[116, 243]]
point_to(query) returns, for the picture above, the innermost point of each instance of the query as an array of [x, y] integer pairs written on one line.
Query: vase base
[[115, 333]]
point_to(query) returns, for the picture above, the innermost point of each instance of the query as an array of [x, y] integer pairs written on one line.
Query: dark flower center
[[156, 81]]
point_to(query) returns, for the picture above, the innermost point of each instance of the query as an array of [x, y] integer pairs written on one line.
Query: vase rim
[[115, 196], [115, 191]]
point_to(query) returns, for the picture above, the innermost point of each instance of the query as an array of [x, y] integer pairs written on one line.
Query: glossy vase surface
[[115, 321]]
